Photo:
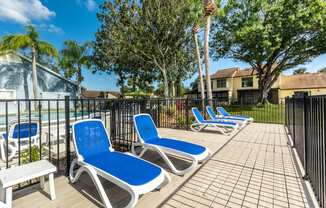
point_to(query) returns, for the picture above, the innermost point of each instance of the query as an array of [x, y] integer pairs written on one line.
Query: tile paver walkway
[[255, 169]]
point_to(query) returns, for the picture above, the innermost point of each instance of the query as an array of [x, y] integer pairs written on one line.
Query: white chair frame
[[161, 151], [94, 172]]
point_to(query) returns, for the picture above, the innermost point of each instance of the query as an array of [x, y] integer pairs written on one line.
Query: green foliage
[[169, 110], [271, 36], [322, 70], [27, 41], [73, 57], [300, 71], [148, 37], [35, 154], [268, 113]]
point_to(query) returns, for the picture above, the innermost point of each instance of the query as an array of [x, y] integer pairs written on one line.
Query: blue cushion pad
[[182, 146], [5, 136], [125, 167], [233, 118], [220, 122], [241, 117]]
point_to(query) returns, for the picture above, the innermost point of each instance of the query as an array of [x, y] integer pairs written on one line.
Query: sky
[[60, 20]]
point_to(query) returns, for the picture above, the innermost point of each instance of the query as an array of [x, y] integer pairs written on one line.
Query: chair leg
[[42, 182], [92, 173], [170, 164], [8, 200], [51, 186]]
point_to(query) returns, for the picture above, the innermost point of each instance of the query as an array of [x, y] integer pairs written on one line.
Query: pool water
[[44, 116]]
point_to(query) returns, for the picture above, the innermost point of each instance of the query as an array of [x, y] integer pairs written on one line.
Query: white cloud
[[90, 5], [51, 28], [24, 11]]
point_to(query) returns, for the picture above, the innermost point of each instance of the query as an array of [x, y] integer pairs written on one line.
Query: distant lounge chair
[[96, 157], [20, 134], [150, 139], [214, 117], [225, 127], [225, 114]]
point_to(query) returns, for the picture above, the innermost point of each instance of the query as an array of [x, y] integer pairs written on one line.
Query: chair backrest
[[211, 112], [90, 137], [145, 127], [199, 118], [23, 130], [222, 111]]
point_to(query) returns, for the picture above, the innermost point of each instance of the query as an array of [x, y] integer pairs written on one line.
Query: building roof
[[10, 57], [98, 94], [303, 81], [233, 72], [245, 72], [225, 73]]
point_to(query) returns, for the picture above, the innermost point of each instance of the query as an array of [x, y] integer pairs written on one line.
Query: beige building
[[236, 85], [92, 94]]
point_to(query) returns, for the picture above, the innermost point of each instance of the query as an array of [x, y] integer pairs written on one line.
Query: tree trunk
[[200, 70], [34, 76], [173, 88], [166, 83], [264, 88], [206, 60], [79, 79], [121, 84]]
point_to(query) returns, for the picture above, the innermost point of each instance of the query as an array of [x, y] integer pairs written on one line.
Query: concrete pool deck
[[254, 168]]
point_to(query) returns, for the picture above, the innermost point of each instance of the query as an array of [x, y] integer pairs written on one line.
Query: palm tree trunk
[[79, 80], [206, 60], [200, 70], [34, 76]]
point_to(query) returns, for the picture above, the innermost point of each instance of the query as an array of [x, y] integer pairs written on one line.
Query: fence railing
[[306, 123], [40, 129]]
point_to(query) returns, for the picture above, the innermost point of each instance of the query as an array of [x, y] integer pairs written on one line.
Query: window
[[247, 82], [221, 83]]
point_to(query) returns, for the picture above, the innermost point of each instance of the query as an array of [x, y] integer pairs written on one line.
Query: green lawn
[[265, 114]]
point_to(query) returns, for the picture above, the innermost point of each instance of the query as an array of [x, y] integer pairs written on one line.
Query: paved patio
[[255, 168]]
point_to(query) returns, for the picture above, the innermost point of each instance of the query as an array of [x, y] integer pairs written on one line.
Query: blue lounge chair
[[224, 114], [214, 117], [225, 127], [96, 157], [20, 134], [150, 139]]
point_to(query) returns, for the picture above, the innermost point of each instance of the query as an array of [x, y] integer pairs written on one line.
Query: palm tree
[[195, 30], [73, 57], [209, 8], [31, 41]]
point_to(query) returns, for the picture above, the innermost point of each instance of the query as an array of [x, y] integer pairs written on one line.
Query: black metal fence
[[50, 137], [306, 123]]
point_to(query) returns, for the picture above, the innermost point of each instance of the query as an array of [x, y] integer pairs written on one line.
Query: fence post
[[305, 137], [67, 118], [293, 120], [187, 113], [158, 113]]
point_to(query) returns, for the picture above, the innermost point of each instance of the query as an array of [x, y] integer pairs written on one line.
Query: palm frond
[[47, 49], [15, 42]]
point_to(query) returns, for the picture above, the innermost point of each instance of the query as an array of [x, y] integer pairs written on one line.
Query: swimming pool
[[44, 116]]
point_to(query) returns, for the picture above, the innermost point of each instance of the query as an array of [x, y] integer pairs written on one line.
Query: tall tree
[[197, 13], [31, 43], [151, 35], [195, 31], [301, 70], [322, 70], [271, 36], [209, 8], [73, 57]]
